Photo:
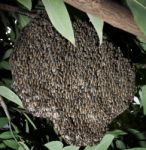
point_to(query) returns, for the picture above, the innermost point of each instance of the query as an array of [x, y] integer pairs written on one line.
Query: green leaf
[[98, 25], [90, 148], [4, 106], [16, 130], [104, 144], [23, 21], [6, 135], [5, 65], [30, 121], [120, 144], [23, 146], [139, 135], [2, 146], [54, 145], [143, 98], [138, 8], [7, 54], [59, 17], [26, 3], [10, 95], [117, 132], [70, 148], [3, 121], [11, 143], [12, 35], [32, 148]]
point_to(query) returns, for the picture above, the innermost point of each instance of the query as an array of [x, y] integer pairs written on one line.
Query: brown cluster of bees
[[80, 89]]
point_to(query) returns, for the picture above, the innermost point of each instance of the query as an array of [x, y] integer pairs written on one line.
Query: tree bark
[[111, 13]]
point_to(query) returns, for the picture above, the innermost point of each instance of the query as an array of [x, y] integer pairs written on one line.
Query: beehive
[[81, 89]]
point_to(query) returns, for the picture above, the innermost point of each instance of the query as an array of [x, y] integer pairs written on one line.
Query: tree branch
[[6, 7], [110, 12]]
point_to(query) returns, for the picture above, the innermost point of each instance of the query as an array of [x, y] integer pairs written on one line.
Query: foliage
[[26, 3], [7, 93], [142, 93], [104, 144], [60, 18], [98, 25], [138, 8], [54, 145], [19, 130]]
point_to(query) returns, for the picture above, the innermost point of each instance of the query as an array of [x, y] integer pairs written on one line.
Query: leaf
[[12, 36], [2, 146], [23, 146], [70, 148], [98, 25], [104, 144], [23, 21], [138, 134], [11, 143], [4, 106], [54, 145], [16, 130], [90, 148], [32, 148], [7, 54], [120, 144], [59, 17], [10, 95], [117, 132], [6, 135], [30, 121], [26, 3], [138, 8], [3, 121], [143, 98], [5, 65]]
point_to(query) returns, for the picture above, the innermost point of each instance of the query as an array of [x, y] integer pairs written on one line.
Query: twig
[[6, 7]]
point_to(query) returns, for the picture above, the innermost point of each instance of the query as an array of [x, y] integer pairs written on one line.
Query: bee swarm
[[80, 89]]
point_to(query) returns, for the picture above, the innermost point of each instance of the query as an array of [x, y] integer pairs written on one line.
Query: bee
[[80, 89]]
